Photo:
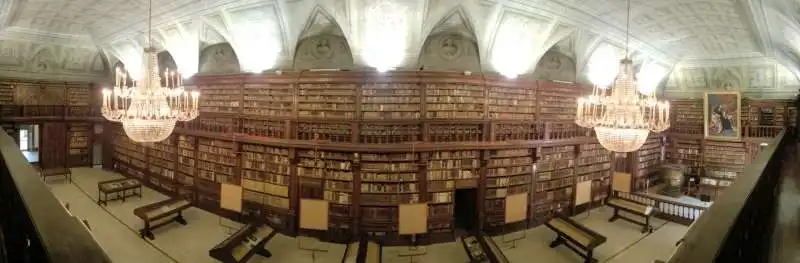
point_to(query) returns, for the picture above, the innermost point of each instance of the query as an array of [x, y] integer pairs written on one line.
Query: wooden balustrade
[[48, 111], [671, 210], [761, 131]]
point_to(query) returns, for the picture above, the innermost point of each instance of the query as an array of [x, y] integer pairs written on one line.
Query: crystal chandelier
[[623, 119], [149, 110]]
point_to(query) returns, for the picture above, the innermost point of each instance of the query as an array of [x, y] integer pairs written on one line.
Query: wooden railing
[[35, 226], [738, 226], [748, 131], [758, 131], [671, 210], [51, 111]]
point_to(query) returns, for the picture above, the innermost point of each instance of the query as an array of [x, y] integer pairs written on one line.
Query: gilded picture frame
[[722, 115]]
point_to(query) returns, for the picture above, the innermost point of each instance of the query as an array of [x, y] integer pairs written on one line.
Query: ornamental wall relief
[[449, 52], [219, 59], [323, 52], [555, 65]]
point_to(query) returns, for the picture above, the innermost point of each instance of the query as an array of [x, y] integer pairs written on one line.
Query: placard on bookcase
[[314, 214], [583, 193], [230, 197], [413, 219], [516, 208]]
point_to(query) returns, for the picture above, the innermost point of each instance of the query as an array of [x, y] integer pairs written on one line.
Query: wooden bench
[[118, 187], [364, 251], [165, 211], [576, 237], [633, 208], [62, 171], [242, 245]]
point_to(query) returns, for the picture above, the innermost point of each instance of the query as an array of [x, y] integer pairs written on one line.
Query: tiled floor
[[114, 227]]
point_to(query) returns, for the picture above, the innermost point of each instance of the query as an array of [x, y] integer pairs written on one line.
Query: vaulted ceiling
[[508, 36]]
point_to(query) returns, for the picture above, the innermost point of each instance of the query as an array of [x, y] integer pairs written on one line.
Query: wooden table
[[61, 171], [165, 211], [122, 188]]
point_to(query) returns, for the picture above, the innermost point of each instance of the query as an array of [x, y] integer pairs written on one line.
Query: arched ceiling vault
[[506, 36]]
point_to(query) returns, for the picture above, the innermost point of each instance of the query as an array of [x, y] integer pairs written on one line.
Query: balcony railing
[[36, 227], [48, 111], [671, 210], [737, 227]]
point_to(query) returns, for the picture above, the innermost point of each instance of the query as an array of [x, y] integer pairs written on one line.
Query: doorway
[[466, 209], [29, 141], [97, 146]]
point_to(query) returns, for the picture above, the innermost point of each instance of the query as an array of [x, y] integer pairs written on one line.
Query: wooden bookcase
[[593, 164], [558, 101], [723, 162], [512, 103], [648, 161], [267, 100], [685, 152], [509, 172], [162, 158], [390, 102], [367, 144], [326, 101], [79, 152], [554, 182], [454, 101]]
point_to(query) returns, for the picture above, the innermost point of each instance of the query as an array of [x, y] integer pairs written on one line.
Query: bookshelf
[[685, 152], [387, 180], [512, 103], [444, 171], [723, 162], [267, 100], [216, 162], [79, 144], [326, 101], [688, 116], [6, 94], [454, 101], [509, 172], [162, 158], [220, 98], [648, 161], [390, 101], [554, 182], [369, 144], [593, 163], [185, 149], [557, 101]]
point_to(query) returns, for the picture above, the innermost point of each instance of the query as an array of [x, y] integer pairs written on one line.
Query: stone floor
[[114, 228]]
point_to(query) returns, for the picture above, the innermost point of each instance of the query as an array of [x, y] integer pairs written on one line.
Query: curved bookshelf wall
[[368, 143]]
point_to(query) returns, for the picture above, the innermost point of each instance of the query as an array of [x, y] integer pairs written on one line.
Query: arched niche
[[449, 51], [325, 51], [555, 65], [44, 61], [119, 67], [219, 59], [165, 62]]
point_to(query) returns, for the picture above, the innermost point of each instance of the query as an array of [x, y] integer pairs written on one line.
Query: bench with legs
[[164, 211], [242, 245], [576, 237], [634, 208]]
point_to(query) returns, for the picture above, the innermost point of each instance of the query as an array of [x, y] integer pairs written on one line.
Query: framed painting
[[721, 115]]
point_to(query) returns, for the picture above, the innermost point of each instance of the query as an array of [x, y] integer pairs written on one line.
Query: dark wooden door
[[53, 145]]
